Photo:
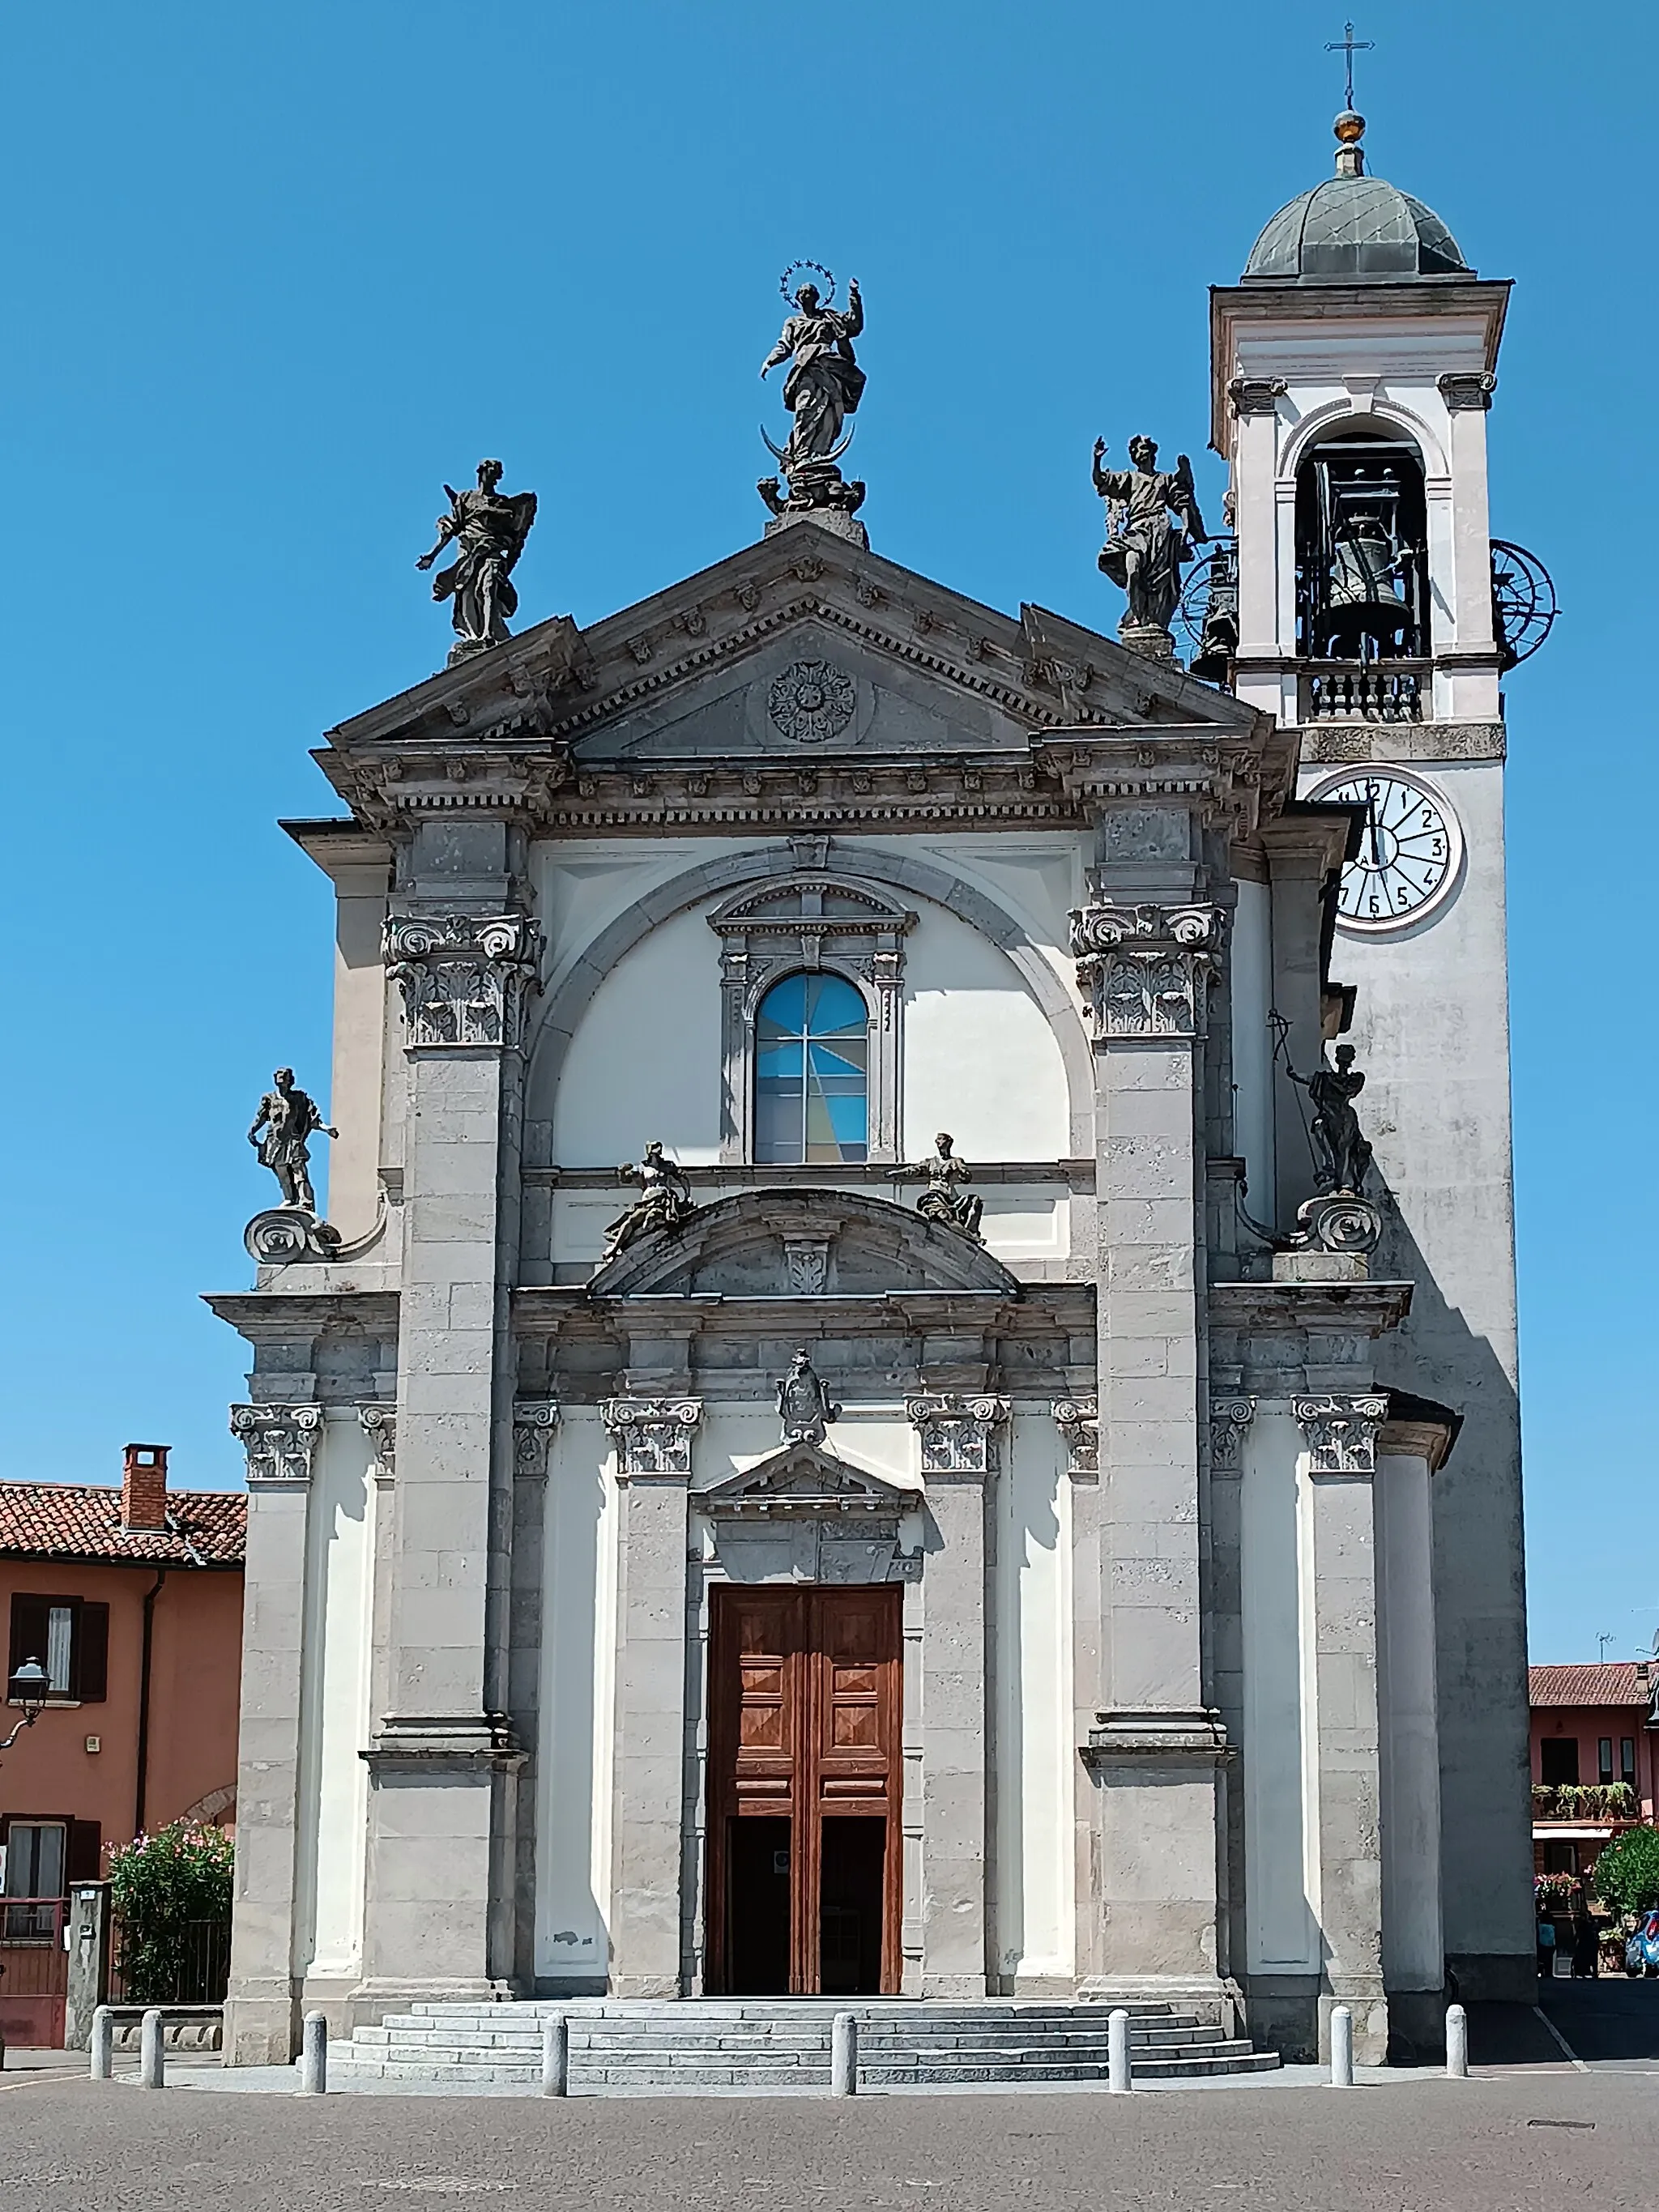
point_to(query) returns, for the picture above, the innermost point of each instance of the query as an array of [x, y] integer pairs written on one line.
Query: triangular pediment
[[804, 1479], [799, 1243]]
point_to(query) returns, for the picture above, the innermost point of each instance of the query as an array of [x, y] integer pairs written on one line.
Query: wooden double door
[[805, 1782]]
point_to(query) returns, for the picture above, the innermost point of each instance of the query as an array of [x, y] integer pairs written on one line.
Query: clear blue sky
[[272, 273]]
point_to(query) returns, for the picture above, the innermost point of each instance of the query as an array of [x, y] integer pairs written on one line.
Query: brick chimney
[[144, 1486]]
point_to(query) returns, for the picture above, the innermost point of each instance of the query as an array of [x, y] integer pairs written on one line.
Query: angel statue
[[488, 528], [823, 388], [1145, 552], [942, 1200], [665, 1200]]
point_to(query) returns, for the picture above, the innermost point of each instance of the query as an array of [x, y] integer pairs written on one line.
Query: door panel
[[804, 1716]]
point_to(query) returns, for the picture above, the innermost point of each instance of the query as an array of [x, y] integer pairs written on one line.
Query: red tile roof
[[73, 1520], [1622, 1683]]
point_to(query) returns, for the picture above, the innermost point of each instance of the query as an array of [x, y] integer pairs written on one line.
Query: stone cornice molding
[[1078, 1420], [956, 1430], [1341, 1431], [1229, 1416], [280, 1444], [534, 1420], [1183, 1739], [1320, 1308], [1467, 390], [1145, 969], [464, 977], [653, 1437]]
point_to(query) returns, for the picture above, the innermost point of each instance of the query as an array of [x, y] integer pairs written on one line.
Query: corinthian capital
[[1340, 1432], [955, 1431], [1145, 968], [280, 1444], [654, 1435], [465, 978]]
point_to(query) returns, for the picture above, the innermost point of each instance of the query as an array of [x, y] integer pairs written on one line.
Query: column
[[957, 1431], [1148, 1919], [1414, 1941], [261, 2012], [444, 1758], [1341, 1812], [654, 1475]]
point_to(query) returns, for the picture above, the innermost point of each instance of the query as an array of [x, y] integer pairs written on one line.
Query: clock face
[[1409, 848]]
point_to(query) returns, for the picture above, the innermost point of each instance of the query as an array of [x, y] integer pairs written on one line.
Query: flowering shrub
[[1553, 1893], [163, 1888]]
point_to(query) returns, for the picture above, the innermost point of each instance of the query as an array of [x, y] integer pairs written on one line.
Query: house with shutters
[[131, 1600]]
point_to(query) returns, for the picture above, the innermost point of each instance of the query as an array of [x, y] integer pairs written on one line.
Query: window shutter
[[86, 1858], [90, 1677], [28, 1631]]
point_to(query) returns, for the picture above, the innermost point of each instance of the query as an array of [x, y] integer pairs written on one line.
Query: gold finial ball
[[1350, 128]]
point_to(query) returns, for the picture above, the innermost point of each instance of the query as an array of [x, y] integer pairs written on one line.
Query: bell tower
[[1353, 367]]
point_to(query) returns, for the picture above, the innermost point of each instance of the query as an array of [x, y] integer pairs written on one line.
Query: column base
[[262, 2024], [370, 1999], [1370, 2008], [1217, 2003]]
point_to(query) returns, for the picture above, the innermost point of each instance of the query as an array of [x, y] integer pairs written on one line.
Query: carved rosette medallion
[[956, 1431], [811, 702], [1228, 1419], [654, 1435], [280, 1444], [380, 1427], [1078, 1420], [1340, 1432], [1146, 969], [534, 1420], [465, 978]]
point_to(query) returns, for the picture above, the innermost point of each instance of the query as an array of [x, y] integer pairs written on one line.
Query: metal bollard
[[1457, 2043], [1341, 2048], [313, 2055], [555, 2056], [152, 2056], [1120, 2074], [103, 2043], [844, 2056]]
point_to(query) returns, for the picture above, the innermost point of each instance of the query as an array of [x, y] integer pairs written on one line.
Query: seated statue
[[942, 1200], [665, 1201]]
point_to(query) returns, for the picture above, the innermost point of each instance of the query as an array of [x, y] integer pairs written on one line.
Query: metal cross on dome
[[1349, 45]]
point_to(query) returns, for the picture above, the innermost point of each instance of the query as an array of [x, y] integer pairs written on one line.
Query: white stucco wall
[[334, 1701], [574, 1756], [1035, 1905], [980, 1058]]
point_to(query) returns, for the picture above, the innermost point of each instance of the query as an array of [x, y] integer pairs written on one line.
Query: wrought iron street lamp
[[27, 1687]]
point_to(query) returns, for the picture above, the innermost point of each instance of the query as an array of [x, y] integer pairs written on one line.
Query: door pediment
[[802, 1244], [806, 1481]]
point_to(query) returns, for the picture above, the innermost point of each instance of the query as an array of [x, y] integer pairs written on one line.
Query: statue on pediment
[[487, 527], [1342, 1154], [804, 1404], [1145, 551], [663, 1202], [823, 388], [944, 1200]]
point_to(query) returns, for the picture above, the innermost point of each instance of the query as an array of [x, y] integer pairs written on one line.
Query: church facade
[[1015, 1490]]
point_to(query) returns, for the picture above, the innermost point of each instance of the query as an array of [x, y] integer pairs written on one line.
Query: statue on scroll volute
[[487, 527], [1145, 551], [282, 1129], [665, 1200], [1341, 1155], [804, 1405], [943, 1199]]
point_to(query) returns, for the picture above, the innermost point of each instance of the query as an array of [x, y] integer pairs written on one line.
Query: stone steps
[[783, 2046]]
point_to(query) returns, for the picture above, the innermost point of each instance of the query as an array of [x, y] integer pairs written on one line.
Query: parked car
[[1642, 1947]]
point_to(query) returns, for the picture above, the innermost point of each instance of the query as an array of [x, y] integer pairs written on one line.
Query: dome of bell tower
[[1353, 229]]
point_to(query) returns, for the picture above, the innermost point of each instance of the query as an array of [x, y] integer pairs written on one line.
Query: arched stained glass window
[[811, 1072]]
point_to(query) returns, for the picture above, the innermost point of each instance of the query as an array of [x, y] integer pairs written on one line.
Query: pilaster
[[1150, 1903], [443, 1754], [653, 1439], [958, 1435]]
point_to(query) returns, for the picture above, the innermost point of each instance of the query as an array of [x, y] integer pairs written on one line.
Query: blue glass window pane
[[811, 1098]]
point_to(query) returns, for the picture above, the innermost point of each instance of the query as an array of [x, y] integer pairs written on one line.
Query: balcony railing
[[1585, 1801], [1367, 691]]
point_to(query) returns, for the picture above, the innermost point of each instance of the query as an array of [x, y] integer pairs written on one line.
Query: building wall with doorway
[[1595, 1744]]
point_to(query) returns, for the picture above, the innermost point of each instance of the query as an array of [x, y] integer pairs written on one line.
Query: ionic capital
[[1228, 1419], [534, 1420], [1078, 1420]]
